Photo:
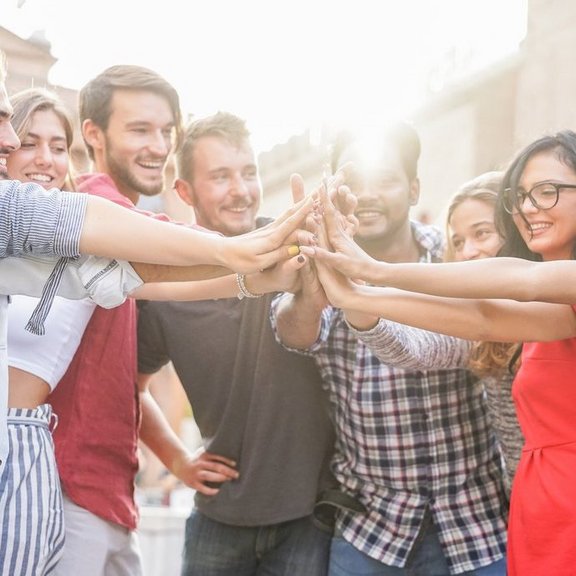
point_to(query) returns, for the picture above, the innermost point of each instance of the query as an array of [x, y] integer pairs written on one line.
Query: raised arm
[[473, 319], [509, 278], [110, 230]]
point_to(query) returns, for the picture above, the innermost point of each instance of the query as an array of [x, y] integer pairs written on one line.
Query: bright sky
[[284, 66]]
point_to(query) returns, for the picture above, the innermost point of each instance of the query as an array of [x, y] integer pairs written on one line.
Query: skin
[[43, 155], [225, 192], [497, 320], [8, 139], [472, 231], [134, 148], [384, 195]]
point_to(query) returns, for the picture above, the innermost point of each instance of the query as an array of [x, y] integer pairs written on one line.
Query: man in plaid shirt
[[414, 445]]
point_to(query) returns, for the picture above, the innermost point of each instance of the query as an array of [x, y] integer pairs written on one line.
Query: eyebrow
[[38, 137], [483, 223]]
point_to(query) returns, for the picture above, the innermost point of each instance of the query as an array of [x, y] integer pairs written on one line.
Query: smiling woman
[[45, 129]]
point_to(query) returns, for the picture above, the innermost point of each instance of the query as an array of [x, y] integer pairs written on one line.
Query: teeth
[[238, 209], [152, 164], [2, 161], [540, 226], [39, 177]]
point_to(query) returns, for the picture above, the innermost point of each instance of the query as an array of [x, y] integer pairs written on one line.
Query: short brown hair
[[96, 96], [222, 125]]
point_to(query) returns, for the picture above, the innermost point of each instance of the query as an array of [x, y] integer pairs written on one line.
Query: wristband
[[243, 292]]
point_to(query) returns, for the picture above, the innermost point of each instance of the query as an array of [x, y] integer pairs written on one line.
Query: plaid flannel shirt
[[412, 442]]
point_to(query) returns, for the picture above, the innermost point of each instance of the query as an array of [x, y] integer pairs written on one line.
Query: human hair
[[31, 100], [2, 66], [95, 98], [401, 135], [563, 145], [223, 125], [484, 188], [27, 102]]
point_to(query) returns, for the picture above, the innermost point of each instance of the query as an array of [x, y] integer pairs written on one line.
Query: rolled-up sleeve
[[107, 282], [38, 221]]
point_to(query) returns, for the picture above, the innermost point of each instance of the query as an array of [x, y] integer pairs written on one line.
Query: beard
[[121, 174]]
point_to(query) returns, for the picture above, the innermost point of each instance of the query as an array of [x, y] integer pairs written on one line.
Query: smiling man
[[130, 119], [414, 444], [261, 410]]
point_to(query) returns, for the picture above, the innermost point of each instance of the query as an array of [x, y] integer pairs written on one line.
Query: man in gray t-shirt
[[261, 410]]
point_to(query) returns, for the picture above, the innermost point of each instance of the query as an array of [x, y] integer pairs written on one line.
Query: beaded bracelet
[[243, 291]]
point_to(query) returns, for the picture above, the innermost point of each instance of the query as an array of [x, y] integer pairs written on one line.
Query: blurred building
[[29, 63], [470, 123]]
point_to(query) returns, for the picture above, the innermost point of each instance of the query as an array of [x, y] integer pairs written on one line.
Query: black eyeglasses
[[543, 196]]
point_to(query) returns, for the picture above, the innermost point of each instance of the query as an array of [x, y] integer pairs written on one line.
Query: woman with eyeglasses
[[536, 215]]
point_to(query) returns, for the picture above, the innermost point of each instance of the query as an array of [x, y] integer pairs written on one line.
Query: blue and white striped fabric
[[32, 535], [38, 222]]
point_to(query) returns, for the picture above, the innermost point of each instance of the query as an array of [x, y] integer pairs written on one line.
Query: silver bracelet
[[243, 291]]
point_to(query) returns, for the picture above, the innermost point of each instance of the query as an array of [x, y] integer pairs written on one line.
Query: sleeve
[[38, 221], [106, 282], [152, 350], [326, 321], [415, 349]]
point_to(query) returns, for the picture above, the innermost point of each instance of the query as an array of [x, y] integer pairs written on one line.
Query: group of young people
[[380, 385]]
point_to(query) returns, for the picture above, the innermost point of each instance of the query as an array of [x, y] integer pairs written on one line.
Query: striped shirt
[[412, 442], [33, 222]]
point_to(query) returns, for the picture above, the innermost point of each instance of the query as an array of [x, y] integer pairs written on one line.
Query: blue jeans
[[427, 560], [295, 548]]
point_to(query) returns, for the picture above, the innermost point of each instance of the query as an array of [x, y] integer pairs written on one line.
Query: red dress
[[542, 528]]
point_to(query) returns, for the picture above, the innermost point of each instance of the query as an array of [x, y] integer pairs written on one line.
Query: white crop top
[[46, 356]]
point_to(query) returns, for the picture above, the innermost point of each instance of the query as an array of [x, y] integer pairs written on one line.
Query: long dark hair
[[563, 145]]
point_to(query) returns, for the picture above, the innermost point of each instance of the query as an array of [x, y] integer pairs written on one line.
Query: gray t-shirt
[[253, 401]]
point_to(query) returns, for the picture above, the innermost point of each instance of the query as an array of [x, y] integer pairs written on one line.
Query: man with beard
[[261, 410], [414, 445], [130, 118]]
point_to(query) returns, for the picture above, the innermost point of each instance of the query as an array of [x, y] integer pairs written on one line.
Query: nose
[[470, 250], [43, 156], [160, 143], [238, 186], [527, 205], [9, 140]]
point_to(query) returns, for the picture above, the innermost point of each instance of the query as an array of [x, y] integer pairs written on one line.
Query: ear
[[185, 191], [414, 191], [93, 134]]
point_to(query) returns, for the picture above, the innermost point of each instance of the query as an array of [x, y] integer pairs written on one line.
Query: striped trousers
[[32, 535]]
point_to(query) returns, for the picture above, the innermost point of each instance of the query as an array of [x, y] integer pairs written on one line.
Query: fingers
[[212, 469], [297, 187], [288, 227]]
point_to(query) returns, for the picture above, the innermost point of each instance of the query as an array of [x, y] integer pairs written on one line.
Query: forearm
[[493, 320], [151, 273], [223, 287], [508, 278], [113, 231], [156, 433], [297, 322]]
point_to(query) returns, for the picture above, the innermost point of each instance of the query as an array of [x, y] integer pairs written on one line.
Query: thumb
[[297, 187]]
